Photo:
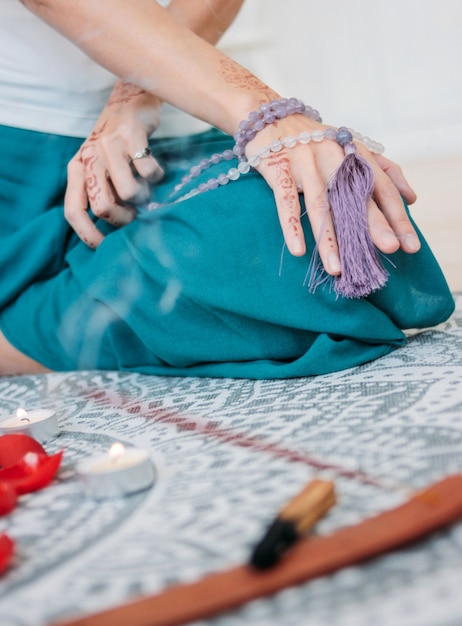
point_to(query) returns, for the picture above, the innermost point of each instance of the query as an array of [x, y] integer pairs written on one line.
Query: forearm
[[209, 19], [164, 58]]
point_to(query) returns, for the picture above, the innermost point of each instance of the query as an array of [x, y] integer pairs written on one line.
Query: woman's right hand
[[103, 176]]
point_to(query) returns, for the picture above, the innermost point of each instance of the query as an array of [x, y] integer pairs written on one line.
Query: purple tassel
[[349, 193]]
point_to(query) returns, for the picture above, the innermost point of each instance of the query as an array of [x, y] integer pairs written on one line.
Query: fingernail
[[334, 263], [389, 238], [297, 246], [412, 242], [158, 175]]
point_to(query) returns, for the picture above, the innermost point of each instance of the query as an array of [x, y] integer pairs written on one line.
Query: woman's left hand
[[307, 169]]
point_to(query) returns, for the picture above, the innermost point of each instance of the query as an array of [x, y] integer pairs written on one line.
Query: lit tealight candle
[[41, 424], [120, 472]]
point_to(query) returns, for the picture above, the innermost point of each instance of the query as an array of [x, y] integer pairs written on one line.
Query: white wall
[[390, 69]]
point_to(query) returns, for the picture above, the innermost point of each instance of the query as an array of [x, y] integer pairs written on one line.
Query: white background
[[392, 70]]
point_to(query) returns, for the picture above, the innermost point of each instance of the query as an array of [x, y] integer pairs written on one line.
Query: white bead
[[374, 146], [304, 137], [276, 145], [233, 173], [243, 167], [377, 147], [289, 141], [264, 152], [317, 136]]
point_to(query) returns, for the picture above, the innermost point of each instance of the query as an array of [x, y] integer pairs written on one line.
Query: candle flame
[[116, 451], [21, 414]]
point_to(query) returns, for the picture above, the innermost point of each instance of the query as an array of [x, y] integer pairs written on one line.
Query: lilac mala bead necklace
[[348, 191]]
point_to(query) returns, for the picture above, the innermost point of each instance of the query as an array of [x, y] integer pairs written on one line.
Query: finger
[[381, 233], [128, 188], [104, 200], [276, 171], [388, 198], [148, 168], [320, 217], [76, 205], [395, 173]]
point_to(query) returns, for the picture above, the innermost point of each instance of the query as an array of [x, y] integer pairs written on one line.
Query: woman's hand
[[103, 176], [143, 43], [307, 169]]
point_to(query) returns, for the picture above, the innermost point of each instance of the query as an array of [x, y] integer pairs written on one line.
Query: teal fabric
[[201, 287]]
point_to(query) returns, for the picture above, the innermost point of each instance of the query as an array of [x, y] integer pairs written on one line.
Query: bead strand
[[317, 136], [290, 142], [268, 113], [203, 165], [232, 174], [373, 146], [343, 136]]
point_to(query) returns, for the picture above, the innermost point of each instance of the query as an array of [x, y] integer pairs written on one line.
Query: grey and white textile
[[228, 454]]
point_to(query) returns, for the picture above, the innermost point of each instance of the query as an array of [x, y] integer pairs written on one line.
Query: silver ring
[[141, 154]]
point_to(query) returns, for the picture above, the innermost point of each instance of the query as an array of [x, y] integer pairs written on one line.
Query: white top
[[47, 84]]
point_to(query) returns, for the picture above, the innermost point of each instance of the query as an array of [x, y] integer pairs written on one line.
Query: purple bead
[[204, 164], [222, 179], [228, 155], [281, 112], [350, 148], [215, 158], [269, 118], [343, 136], [195, 171], [212, 183], [331, 133], [268, 114], [250, 134]]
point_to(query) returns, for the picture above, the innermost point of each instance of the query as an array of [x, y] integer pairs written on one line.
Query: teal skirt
[[202, 287]]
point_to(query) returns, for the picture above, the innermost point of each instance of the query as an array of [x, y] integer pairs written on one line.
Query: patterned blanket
[[228, 454]]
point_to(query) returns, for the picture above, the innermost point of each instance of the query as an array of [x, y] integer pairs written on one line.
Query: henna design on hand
[[89, 158], [285, 181], [123, 92], [242, 78]]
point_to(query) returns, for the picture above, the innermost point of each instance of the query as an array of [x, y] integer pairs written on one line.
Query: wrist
[[269, 113]]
